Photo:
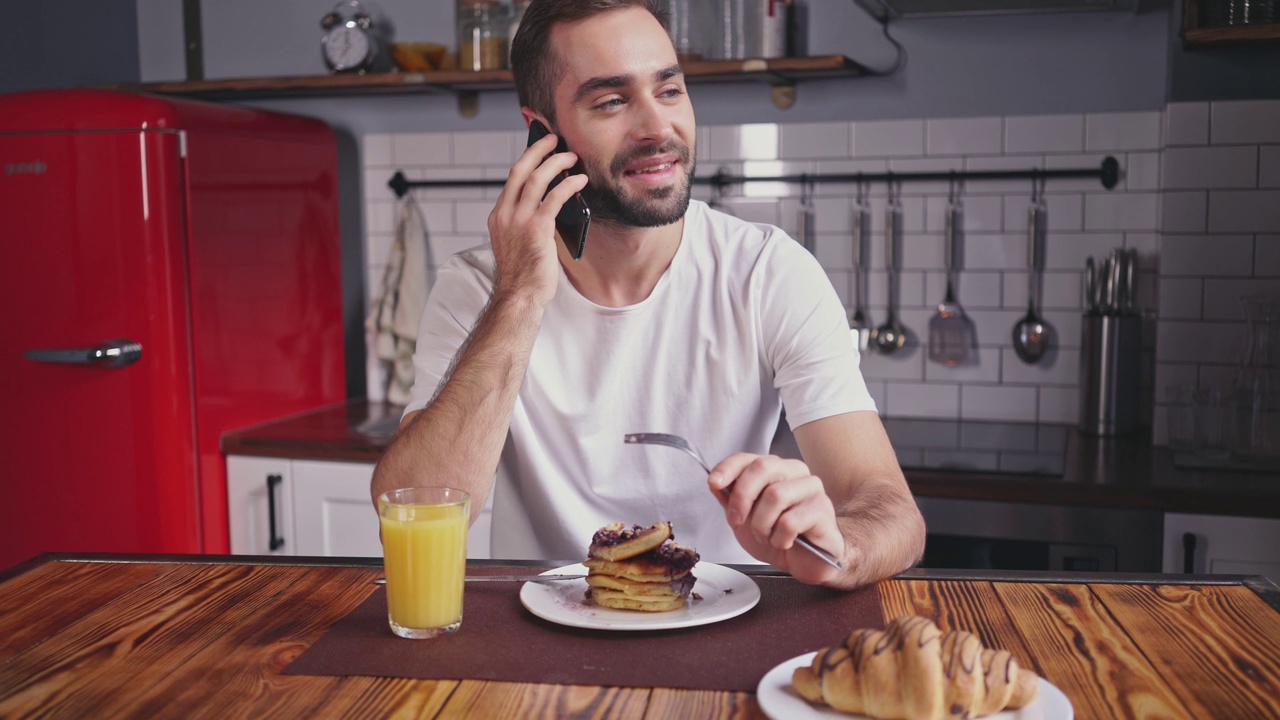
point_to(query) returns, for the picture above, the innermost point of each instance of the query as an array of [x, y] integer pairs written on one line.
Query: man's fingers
[[561, 193], [518, 176], [757, 473], [534, 194], [788, 508], [801, 516]]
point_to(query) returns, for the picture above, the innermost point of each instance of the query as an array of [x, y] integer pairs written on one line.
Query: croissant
[[914, 671]]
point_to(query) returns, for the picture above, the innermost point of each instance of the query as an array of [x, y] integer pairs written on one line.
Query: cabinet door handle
[[1188, 553], [273, 481]]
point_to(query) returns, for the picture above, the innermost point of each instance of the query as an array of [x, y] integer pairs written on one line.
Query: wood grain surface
[[1079, 645], [1207, 655], [30, 617], [194, 640]]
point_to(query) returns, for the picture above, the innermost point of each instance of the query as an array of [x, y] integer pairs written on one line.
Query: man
[[677, 319]]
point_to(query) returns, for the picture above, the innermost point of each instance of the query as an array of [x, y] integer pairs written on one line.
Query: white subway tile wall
[[1218, 240], [1199, 199]]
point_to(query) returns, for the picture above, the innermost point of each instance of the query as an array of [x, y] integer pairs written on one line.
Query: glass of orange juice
[[424, 550]]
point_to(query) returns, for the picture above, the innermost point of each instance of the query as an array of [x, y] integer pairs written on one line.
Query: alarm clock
[[349, 43]]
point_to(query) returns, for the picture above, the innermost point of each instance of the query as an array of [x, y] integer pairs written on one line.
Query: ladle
[[891, 336], [860, 324], [1031, 334]]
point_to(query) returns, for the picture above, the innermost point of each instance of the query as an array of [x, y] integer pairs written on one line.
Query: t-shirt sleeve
[[461, 291], [806, 336]]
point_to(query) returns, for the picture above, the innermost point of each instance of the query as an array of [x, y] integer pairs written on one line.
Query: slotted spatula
[[951, 332]]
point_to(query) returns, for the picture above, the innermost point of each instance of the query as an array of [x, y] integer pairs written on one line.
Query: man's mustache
[[620, 163]]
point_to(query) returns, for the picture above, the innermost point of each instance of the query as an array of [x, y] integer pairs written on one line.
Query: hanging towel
[[398, 305]]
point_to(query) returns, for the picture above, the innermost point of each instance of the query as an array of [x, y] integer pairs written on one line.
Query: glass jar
[[692, 25], [517, 14], [482, 35], [1257, 390], [751, 28]]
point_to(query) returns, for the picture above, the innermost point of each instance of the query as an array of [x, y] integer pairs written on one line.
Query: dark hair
[[533, 60]]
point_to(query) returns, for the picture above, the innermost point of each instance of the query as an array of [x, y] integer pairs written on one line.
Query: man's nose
[[651, 122]]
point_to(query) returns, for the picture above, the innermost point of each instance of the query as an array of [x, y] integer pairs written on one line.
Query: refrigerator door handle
[[274, 542], [108, 354]]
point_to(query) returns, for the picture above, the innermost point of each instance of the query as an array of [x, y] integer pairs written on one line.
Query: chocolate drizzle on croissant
[[912, 669]]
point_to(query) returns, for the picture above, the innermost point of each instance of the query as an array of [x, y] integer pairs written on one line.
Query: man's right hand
[[522, 225]]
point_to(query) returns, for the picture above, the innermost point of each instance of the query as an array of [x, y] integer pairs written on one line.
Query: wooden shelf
[[1195, 35], [1233, 34], [781, 73]]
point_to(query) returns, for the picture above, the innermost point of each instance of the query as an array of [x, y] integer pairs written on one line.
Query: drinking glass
[[1213, 423], [1181, 417], [424, 549]]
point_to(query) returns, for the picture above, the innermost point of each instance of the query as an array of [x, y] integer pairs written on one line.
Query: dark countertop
[[1095, 472]]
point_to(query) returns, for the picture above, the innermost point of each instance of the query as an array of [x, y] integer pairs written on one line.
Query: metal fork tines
[[679, 443], [674, 441]]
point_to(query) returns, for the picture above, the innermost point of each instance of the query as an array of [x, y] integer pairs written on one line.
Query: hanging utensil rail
[[1108, 174]]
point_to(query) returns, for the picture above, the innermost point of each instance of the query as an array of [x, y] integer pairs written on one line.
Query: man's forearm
[[457, 439], [884, 534]]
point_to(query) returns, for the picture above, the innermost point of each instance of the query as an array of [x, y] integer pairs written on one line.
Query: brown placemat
[[500, 640]]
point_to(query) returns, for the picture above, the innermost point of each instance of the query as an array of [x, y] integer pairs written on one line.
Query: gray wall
[[64, 43]]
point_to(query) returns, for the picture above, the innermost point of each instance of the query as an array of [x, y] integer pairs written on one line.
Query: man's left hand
[[769, 502]]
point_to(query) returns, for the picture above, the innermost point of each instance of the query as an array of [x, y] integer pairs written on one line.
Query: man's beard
[[654, 207]]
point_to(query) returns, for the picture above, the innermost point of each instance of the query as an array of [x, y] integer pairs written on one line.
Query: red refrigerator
[[169, 271]]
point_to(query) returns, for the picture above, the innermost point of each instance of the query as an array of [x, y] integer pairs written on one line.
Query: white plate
[[780, 701], [724, 593]]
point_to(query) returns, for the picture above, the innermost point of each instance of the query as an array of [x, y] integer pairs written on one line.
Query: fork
[[679, 443]]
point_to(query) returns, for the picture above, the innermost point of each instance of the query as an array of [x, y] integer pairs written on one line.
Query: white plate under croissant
[[911, 669], [779, 701]]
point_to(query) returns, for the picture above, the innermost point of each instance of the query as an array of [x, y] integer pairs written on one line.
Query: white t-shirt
[[742, 323]]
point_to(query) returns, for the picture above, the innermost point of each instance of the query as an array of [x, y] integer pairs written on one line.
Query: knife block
[[1110, 374]]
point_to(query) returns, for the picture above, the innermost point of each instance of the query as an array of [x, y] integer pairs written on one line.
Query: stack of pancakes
[[639, 568]]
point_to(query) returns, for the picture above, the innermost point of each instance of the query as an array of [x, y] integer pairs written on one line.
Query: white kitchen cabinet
[[323, 509], [332, 512], [260, 505], [1224, 545]]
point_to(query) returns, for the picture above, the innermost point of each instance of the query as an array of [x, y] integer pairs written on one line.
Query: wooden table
[[187, 636]]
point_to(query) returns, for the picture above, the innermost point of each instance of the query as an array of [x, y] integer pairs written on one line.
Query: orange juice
[[424, 550]]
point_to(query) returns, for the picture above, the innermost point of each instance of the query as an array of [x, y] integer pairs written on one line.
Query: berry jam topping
[[675, 557], [609, 536]]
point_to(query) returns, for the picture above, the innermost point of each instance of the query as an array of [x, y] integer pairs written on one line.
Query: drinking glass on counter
[[1212, 423], [1181, 413], [424, 548]]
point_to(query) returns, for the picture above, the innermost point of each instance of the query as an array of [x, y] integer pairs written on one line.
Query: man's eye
[[609, 104], [672, 92]]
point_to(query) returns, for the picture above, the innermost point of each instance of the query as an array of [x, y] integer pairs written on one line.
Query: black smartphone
[[574, 218]]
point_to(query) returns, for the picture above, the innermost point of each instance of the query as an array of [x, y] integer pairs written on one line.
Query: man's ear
[[529, 115]]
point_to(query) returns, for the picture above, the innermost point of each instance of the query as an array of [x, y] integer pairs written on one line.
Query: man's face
[[622, 107]]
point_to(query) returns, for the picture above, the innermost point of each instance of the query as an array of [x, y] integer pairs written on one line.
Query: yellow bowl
[[418, 56]]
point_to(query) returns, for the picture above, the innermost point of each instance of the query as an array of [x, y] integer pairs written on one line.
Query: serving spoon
[[891, 336], [679, 443], [1031, 333]]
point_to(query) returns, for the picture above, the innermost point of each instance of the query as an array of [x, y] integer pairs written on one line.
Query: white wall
[[1220, 239]]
